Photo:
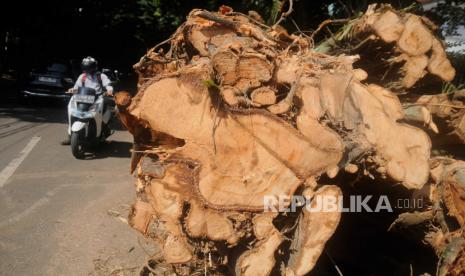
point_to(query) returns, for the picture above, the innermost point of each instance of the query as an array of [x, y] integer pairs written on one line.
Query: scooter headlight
[[82, 114]]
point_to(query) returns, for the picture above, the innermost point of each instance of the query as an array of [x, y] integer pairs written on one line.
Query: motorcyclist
[[91, 78]]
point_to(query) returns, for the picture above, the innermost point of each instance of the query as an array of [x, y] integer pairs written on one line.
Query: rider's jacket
[[94, 81]]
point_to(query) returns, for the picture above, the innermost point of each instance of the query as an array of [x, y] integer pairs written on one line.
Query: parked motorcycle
[[88, 119]]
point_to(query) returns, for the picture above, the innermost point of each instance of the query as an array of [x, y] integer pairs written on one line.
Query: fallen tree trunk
[[449, 111], [234, 118], [397, 48]]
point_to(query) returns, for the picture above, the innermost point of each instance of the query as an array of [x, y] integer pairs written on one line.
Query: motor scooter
[[88, 120]]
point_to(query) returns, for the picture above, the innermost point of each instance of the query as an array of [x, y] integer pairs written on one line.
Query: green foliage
[[450, 88], [120, 31], [450, 12], [211, 84], [274, 12], [153, 17]]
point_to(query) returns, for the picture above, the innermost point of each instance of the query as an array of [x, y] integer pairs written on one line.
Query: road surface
[[59, 215]]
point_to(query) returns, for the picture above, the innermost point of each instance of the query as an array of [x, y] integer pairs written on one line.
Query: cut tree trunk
[[407, 43], [233, 118]]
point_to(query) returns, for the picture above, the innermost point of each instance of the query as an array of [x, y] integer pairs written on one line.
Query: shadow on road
[[114, 149], [22, 117], [41, 111], [118, 149], [35, 115], [35, 111]]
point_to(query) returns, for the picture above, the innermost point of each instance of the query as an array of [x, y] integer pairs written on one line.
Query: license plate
[[47, 79], [84, 98]]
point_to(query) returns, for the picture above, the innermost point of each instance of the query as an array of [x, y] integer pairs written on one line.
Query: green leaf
[[211, 84]]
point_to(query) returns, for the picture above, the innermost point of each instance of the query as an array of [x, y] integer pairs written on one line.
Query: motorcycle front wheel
[[76, 146]]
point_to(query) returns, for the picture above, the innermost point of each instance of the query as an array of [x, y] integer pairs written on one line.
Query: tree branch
[[286, 14]]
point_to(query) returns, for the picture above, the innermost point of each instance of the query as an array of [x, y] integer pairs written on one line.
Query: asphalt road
[[60, 215]]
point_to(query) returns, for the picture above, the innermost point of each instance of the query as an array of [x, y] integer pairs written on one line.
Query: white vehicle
[[88, 120]]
